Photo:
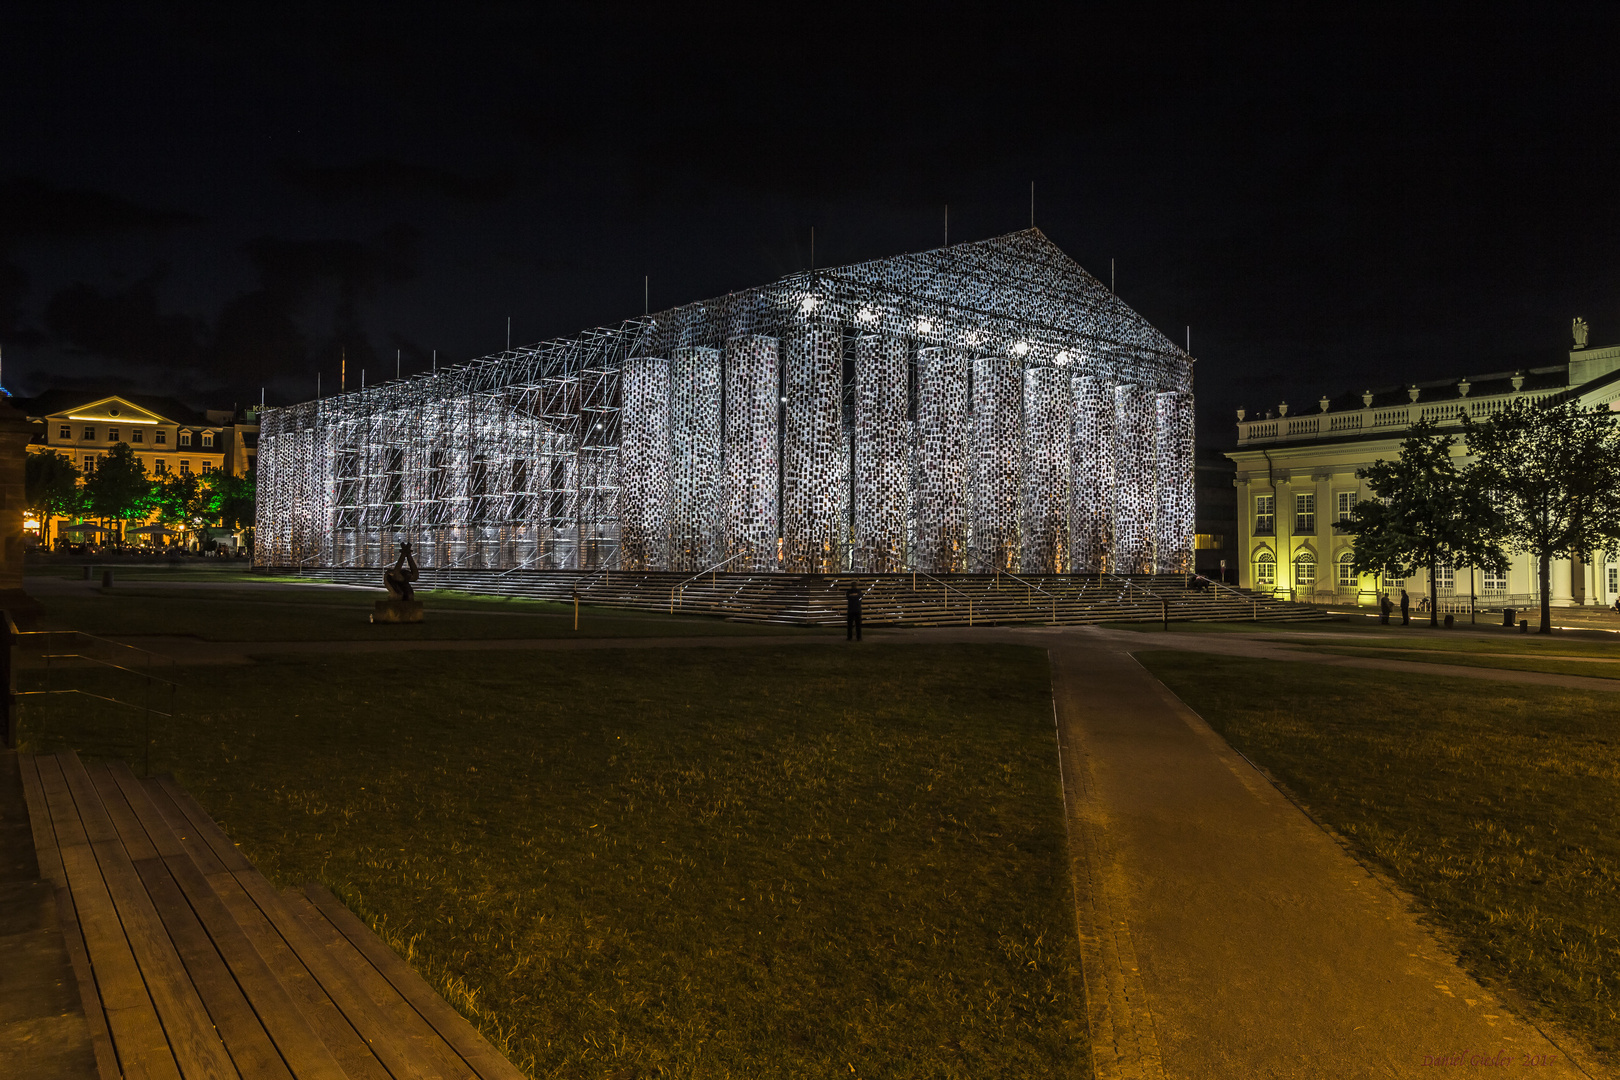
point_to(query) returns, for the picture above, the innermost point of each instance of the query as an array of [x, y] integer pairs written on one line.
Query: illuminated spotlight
[[1062, 359], [809, 304], [867, 315], [924, 326], [1021, 348]]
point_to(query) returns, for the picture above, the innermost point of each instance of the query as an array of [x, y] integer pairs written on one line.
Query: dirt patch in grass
[[1494, 806], [784, 863]]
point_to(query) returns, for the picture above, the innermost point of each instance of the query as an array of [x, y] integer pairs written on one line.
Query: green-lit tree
[[233, 499], [51, 485], [182, 499], [1553, 472], [118, 488], [1425, 511]]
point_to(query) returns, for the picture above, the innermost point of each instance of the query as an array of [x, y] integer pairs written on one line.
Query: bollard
[[1507, 618], [106, 579], [89, 572], [1451, 620], [1524, 626]]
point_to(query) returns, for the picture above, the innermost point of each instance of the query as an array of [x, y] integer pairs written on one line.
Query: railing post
[[1164, 611], [8, 687]]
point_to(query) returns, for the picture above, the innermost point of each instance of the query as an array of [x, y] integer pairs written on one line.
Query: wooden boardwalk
[[191, 965]]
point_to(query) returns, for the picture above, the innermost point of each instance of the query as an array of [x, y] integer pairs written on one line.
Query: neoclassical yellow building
[[1296, 476]]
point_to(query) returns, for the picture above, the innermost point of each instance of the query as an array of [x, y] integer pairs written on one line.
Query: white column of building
[[1173, 465], [694, 423], [939, 487], [815, 474], [881, 458], [644, 464], [1048, 470], [1091, 513], [752, 516], [1135, 494], [998, 394]]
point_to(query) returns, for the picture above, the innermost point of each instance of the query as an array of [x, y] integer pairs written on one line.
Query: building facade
[[1296, 476], [988, 406], [165, 435]]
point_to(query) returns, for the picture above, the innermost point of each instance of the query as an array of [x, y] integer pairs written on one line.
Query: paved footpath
[[1224, 933]]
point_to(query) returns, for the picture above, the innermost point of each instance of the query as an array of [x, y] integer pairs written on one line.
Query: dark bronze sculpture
[[397, 580]]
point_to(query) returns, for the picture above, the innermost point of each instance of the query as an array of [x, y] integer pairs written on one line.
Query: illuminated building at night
[[981, 407]]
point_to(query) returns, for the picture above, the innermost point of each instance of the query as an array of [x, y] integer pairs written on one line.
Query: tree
[[1554, 474], [1426, 511], [232, 505], [51, 485], [182, 499], [118, 488]]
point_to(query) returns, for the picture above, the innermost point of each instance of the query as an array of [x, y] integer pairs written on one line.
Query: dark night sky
[[201, 202]]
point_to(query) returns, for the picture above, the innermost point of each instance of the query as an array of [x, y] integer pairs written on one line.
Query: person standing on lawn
[[1406, 609], [1384, 608], [852, 614]]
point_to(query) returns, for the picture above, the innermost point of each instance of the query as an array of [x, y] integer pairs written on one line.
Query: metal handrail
[[715, 569], [1027, 584]]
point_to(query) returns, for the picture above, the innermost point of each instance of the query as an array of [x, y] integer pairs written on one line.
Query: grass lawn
[[1519, 661], [1493, 805], [1245, 626], [772, 862], [310, 613]]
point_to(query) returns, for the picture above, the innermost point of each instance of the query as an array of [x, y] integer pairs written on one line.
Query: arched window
[[1265, 570], [1304, 570], [1347, 571]]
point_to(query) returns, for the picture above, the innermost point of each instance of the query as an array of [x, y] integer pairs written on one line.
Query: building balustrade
[[1445, 413]]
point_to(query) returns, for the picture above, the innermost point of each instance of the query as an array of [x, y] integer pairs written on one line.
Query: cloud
[[379, 179], [32, 209], [126, 325]]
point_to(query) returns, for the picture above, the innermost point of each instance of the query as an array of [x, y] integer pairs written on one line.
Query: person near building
[[1384, 608], [1406, 609], [852, 614]]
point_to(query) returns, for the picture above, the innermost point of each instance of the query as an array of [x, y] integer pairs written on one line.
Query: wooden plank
[[186, 1024], [468, 1043], [228, 853], [190, 843], [277, 1020], [427, 1044], [137, 1033], [391, 1046], [126, 828], [252, 1052], [50, 864]]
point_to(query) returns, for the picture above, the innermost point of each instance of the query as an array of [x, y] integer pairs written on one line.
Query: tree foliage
[[1426, 511], [1553, 473], [51, 485], [118, 488], [182, 499], [233, 501]]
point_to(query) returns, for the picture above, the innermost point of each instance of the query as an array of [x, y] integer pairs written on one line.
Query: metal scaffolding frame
[[988, 406]]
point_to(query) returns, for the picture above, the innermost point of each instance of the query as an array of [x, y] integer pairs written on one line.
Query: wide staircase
[[887, 599], [190, 964]]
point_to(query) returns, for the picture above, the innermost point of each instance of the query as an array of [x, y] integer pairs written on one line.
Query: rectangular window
[[89, 434], [1495, 582], [160, 465], [208, 467], [1208, 541], [1614, 580], [1265, 515], [1265, 573], [160, 436], [185, 465], [137, 435], [185, 438], [65, 431], [1304, 573], [1445, 579], [208, 438], [1304, 513], [112, 434], [1347, 572], [89, 463], [1347, 502]]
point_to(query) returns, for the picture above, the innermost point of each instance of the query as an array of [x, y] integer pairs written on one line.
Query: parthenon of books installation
[[988, 406]]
